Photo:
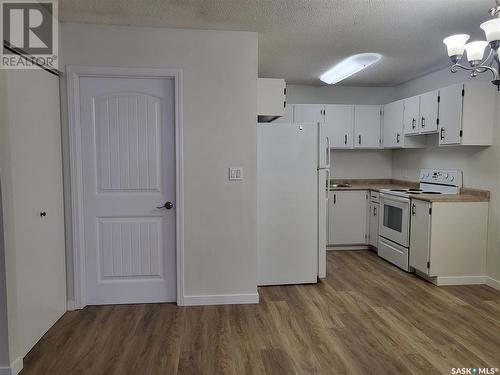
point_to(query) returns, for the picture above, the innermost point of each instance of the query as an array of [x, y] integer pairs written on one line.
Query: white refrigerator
[[293, 170]]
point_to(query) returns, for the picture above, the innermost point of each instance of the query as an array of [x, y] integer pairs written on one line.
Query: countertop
[[465, 195]]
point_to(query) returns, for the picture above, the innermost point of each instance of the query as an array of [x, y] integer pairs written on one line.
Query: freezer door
[[287, 208]]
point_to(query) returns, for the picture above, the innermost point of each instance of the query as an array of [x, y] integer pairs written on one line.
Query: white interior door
[[35, 144], [128, 159]]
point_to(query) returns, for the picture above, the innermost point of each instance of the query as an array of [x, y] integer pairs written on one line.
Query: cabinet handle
[[374, 211], [423, 121], [345, 139], [359, 139], [441, 134], [334, 198], [413, 209], [398, 136], [413, 123]]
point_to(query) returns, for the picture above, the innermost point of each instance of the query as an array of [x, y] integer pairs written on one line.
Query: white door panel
[[303, 113], [367, 126], [35, 140], [411, 115], [450, 115], [287, 203], [128, 152], [339, 121], [429, 110]]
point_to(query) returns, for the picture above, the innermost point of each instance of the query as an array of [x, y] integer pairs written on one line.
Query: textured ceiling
[[300, 39]]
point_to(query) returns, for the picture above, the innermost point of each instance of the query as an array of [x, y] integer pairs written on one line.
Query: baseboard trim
[[14, 368], [221, 299], [459, 280], [493, 283], [70, 305], [348, 247]]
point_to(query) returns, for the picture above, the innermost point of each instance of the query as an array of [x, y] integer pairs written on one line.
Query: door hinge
[[463, 92], [428, 264], [437, 121], [284, 104], [430, 210], [366, 196], [366, 236], [439, 98], [284, 91], [461, 133]]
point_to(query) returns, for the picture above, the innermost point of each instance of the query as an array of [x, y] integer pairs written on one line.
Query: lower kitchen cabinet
[[448, 240], [347, 217], [373, 224]]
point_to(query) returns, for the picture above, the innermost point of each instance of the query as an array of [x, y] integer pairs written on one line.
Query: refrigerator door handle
[[327, 184], [328, 155]]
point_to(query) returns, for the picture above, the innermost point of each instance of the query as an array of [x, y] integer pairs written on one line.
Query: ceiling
[[301, 39]]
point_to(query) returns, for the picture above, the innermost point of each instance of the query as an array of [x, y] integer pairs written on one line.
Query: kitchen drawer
[[374, 196], [394, 253]]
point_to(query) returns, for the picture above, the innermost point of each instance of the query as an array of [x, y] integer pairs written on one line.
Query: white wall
[[481, 165], [220, 106], [349, 163], [303, 94], [4, 332]]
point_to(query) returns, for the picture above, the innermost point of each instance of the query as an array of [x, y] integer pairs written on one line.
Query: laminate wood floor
[[366, 317]]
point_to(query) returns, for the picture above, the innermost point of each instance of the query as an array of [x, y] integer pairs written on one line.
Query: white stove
[[432, 181], [394, 224]]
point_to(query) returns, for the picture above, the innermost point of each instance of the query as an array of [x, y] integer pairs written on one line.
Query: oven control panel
[[442, 176]]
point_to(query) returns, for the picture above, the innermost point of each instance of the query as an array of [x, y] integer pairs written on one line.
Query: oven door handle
[[394, 199]]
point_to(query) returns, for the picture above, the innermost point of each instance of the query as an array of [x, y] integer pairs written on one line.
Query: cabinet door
[[308, 113], [420, 234], [450, 114], [429, 110], [393, 125], [367, 126], [288, 116], [347, 217], [411, 115], [373, 222], [339, 124]]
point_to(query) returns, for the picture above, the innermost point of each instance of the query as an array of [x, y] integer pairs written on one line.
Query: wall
[[361, 164], [4, 329], [349, 163], [480, 165], [219, 117], [8, 222], [303, 94]]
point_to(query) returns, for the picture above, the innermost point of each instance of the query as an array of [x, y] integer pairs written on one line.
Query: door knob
[[167, 206]]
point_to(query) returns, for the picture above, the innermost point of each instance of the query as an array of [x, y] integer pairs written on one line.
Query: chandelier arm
[[485, 68], [490, 54]]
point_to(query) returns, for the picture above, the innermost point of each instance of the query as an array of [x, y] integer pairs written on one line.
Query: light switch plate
[[235, 174]]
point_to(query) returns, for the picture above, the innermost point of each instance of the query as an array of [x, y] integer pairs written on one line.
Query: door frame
[[74, 73]]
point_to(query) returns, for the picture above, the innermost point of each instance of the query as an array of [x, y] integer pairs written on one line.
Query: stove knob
[[446, 176], [451, 178], [422, 175]]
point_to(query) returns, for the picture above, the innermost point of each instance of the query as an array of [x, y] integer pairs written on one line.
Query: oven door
[[394, 219]]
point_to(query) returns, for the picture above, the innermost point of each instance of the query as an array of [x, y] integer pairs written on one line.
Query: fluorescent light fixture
[[349, 66]]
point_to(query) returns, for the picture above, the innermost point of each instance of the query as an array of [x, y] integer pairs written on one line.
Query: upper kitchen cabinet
[[421, 113], [393, 129], [411, 115], [429, 111], [466, 114], [367, 126], [339, 125], [271, 99], [308, 113]]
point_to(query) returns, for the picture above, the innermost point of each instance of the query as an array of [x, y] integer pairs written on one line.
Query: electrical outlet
[[235, 174]]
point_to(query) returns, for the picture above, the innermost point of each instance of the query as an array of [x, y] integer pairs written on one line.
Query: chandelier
[[457, 44]]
